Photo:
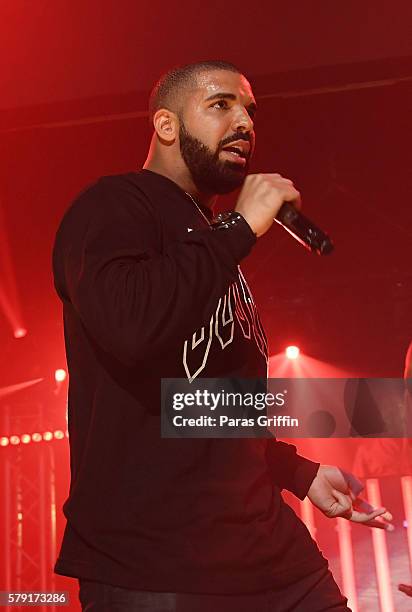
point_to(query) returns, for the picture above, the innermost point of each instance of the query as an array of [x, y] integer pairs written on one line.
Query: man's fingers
[[342, 506], [364, 506], [297, 202], [293, 196], [368, 519], [379, 525], [363, 517], [364, 511]]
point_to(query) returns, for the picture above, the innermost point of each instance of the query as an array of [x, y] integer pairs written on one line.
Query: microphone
[[304, 230]]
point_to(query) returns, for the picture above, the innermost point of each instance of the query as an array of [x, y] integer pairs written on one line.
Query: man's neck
[[181, 178]]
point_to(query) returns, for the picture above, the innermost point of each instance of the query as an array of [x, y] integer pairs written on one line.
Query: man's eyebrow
[[228, 96], [220, 95]]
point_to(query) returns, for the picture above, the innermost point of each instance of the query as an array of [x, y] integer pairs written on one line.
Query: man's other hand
[[336, 493]]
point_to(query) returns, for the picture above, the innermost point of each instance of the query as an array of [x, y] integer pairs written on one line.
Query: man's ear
[[166, 125]]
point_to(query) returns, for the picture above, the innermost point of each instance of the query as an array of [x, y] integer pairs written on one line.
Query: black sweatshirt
[[150, 291]]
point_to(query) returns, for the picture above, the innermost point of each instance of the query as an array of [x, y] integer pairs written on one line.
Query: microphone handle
[[303, 230]]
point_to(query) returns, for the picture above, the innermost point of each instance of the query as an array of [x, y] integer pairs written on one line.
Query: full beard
[[209, 173]]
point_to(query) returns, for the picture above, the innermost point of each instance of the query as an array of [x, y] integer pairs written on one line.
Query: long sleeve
[[134, 298], [289, 470]]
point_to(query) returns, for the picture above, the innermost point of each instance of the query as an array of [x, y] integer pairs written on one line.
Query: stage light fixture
[[26, 438], [20, 332], [60, 375], [292, 352]]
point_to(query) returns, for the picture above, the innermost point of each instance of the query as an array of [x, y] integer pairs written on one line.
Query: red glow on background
[[292, 352], [9, 300], [10, 389], [20, 332], [304, 367], [9, 310], [383, 573]]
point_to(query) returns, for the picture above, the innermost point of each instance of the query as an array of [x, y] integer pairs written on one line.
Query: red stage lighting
[[292, 352], [20, 332], [26, 438], [60, 375]]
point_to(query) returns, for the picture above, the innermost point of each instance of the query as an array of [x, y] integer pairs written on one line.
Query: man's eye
[[220, 104]]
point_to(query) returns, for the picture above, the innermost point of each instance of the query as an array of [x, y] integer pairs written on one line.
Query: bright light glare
[[60, 375], [292, 352], [20, 332]]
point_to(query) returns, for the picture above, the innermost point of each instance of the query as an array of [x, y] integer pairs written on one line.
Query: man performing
[[151, 289]]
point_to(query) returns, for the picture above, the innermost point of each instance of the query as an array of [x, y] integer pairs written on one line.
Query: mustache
[[234, 138]]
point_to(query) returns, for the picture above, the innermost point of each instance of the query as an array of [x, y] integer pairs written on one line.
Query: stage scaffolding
[[28, 504]]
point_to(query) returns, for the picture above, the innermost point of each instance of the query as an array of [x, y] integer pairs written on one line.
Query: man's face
[[216, 131]]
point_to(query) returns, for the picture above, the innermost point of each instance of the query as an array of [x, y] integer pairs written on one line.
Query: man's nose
[[242, 121]]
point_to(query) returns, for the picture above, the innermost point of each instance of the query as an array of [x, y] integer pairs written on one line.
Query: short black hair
[[167, 92]]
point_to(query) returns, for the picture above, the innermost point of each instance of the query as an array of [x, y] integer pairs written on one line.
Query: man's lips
[[241, 147], [237, 152], [234, 157]]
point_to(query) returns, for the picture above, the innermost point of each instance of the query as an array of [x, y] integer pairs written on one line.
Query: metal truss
[[29, 509]]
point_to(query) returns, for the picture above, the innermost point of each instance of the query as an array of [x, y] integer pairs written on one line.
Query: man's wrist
[[230, 219]]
